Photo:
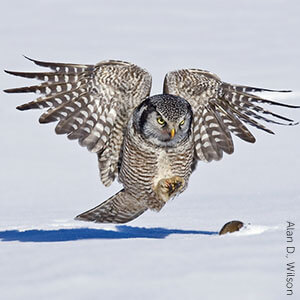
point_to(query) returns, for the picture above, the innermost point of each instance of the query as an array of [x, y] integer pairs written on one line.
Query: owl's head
[[165, 120]]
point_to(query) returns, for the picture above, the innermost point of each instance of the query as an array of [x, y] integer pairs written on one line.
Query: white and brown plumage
[[152, 144]]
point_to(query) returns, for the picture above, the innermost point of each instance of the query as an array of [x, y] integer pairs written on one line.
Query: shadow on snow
[[74, 234]]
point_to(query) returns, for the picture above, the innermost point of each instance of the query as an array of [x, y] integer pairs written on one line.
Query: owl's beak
[[172, 132]]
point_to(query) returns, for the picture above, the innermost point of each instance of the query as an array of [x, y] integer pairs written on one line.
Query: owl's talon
[[173, 186], [167, 188]]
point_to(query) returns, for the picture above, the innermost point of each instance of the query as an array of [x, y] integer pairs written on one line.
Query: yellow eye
[[181, 123], [160, 121]]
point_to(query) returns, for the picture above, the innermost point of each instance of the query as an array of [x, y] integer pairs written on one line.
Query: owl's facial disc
[[164, 120]]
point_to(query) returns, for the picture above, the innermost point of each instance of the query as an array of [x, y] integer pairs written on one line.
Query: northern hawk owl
[[151, 144]]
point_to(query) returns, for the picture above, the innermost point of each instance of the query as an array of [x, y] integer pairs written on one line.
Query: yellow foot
[[168, 187]]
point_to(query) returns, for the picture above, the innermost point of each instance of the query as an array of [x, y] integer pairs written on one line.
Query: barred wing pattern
[[221, 109], [92, 103]]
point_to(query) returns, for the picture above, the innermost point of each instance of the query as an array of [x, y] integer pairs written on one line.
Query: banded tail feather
[[120, 208]]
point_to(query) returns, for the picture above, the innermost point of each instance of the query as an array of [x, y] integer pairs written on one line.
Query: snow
[[46, 180]]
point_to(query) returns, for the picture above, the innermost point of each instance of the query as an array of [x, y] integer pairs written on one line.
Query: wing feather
[[220, 108], [87, 101]]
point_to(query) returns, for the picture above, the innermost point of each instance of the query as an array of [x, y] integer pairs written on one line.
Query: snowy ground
[[46, 180]]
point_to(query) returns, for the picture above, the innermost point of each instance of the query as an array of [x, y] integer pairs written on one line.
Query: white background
[[46, 180]]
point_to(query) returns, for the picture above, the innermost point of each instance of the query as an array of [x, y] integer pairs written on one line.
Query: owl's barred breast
[[144, 165]]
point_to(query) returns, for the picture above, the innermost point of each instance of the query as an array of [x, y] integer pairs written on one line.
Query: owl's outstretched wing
[[92, 103], [220, 109]]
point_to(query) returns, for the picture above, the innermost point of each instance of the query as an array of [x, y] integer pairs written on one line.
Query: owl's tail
[[120, 208]]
